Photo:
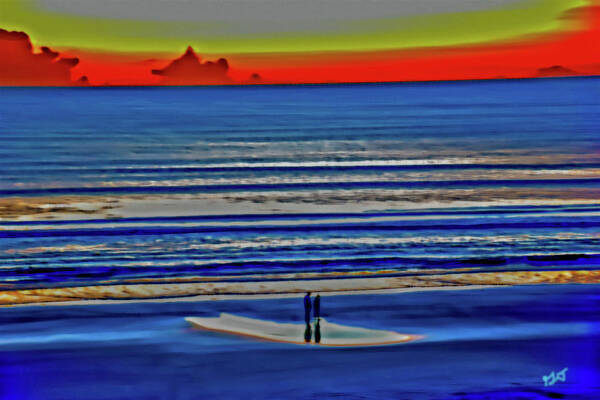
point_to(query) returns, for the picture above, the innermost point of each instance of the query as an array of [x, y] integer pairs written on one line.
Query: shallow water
[[490, 343]]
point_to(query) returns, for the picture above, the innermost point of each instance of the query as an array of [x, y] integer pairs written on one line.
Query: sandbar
[[332, 334]]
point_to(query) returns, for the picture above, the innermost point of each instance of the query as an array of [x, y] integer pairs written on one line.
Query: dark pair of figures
[[316, 306]]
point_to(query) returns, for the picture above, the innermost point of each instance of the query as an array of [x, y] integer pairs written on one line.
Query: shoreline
[[280, 288], [258, 296]]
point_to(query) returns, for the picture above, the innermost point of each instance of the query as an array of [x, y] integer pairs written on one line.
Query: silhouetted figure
[[307, 307], [318, 331], [317, 306], [308, 333]]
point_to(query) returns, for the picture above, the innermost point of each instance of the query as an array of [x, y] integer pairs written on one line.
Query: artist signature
[[551, 379]]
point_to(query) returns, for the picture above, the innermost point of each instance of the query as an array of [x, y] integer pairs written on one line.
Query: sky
[[156, 42]]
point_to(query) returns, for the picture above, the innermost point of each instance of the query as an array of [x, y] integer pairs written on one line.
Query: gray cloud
[[258, 16]]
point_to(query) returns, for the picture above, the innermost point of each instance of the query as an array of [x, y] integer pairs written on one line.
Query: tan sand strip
[[189, 290]]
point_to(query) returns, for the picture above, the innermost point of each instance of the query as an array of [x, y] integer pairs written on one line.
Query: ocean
[[111, 193], [251, 180]]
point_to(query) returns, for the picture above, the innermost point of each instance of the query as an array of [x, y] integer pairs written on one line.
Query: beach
[[478, 343]]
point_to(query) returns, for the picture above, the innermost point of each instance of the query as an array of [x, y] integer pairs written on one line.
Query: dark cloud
[[189, 70], [83, 81], [20, 66], [255, 79], [555, 70]]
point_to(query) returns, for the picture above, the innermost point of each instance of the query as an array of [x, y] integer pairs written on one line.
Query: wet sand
[[477, 344]]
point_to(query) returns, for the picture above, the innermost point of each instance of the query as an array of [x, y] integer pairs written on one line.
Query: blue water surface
[[112, 185]]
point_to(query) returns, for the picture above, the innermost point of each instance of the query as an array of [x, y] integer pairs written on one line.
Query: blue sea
[[102, 187]]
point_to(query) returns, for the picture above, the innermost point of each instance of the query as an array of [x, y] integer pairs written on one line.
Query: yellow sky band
[[64, 31]]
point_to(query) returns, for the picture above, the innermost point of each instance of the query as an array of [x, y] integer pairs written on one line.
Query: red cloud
[[20, 66], [189, 70]]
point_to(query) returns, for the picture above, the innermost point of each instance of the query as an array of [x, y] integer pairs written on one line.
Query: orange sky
[[574, 52]]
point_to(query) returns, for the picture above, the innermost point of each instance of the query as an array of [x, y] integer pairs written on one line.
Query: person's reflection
[[318, 331], [307, 333]]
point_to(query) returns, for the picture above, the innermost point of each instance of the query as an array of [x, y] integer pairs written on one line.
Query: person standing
[[307, 307]]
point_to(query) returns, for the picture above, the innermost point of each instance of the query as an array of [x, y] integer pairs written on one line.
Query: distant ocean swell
[[396, 186], [470, 224], [476, 239], [581, 182]]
